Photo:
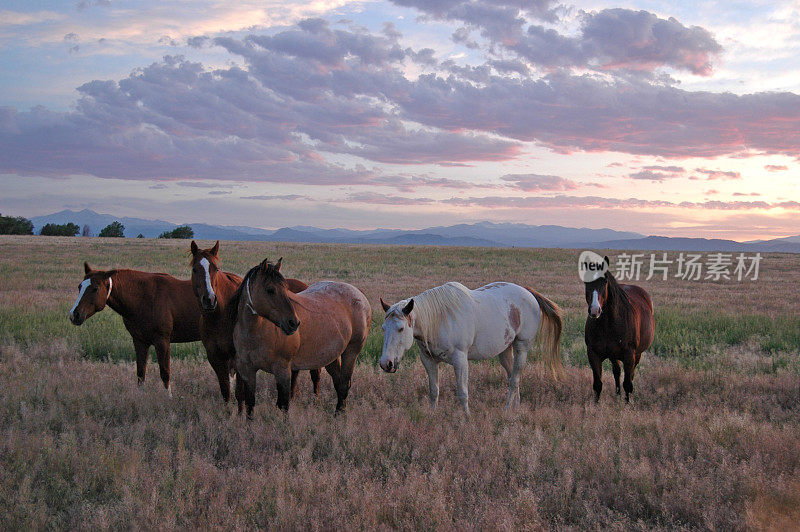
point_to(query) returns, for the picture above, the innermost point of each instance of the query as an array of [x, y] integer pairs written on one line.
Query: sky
[[667, 118]]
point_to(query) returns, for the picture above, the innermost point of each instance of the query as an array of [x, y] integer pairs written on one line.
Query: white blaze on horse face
[[595, 306], [206, 265], [84, 285], [398, 337]]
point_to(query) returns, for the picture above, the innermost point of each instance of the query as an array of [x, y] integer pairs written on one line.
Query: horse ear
[[86, 268], [193, 248], [385, 306], [409, 307], [215, 249], [278, 265], [108, 274], [607, 261], [264, 264]]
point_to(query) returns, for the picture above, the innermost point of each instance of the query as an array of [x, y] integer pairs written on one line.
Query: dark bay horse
[[156, 308], [280, 332], [213, 290], [620, 326]]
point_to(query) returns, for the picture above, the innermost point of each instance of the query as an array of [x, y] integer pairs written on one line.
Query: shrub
[[15, 225], [67, 229], [184, 231], [114, 229]]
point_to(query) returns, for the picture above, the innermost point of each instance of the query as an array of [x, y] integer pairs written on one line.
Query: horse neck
[[617, 301], [225, 289], [122, 299]]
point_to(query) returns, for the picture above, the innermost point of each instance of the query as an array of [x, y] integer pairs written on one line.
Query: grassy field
[[712, 439]]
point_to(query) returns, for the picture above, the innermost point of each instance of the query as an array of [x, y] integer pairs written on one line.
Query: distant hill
[[482, 234]]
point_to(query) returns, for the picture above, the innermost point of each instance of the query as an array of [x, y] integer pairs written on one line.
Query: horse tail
[[550, 334]]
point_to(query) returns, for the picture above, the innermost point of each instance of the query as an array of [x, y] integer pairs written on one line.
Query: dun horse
[[454, 324], [620, 326], [281, 332], [213, 290], [156, 308]]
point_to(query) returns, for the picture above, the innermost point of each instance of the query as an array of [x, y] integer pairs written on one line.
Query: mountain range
[[482, 234]]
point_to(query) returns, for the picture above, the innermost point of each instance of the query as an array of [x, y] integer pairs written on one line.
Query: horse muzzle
[[389, 366], [208, 304], [76, 319], [595, 312]]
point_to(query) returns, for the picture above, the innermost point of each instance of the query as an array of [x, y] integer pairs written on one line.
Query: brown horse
[[213, 290], [156, 308], [620, 326], [280, 332]]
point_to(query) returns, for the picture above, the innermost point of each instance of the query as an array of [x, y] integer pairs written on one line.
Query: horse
[[619, 326], [454, 324], [157, 309], [280, 332], [213, 290]]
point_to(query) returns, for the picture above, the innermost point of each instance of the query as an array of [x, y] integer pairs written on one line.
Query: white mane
[[433, 306]]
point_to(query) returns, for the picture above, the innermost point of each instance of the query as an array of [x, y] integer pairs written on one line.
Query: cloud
[[539, 183], [595, 202], [282, 197], [219, 192], [314, 105], [667, 169], [652, 176], [610, 39], [386, 199], [718, 174], [775, 168]]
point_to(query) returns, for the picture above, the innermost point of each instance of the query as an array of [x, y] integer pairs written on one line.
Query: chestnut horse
[[280, 332], [156, 308], [620, 326], [213, 290]]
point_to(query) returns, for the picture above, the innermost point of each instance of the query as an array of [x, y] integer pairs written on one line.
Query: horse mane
[[620, 295], [233, 303], [434, 305]]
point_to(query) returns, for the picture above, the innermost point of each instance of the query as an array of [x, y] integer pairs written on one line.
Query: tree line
[[18, 225]]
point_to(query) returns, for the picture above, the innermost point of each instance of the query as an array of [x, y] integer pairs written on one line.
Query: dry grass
[[711, 441]]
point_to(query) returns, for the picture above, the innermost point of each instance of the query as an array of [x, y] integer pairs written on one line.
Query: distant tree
[[115, 229], [184, 231], [86, 231], [15, 225], [68, 229], [140, 235]]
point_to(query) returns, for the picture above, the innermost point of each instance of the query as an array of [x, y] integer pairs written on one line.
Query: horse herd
[[265, 321]]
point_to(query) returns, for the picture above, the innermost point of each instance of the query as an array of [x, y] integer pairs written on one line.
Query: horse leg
[[520, 358], [432, 368], [240, 394], [627, 383], [162, 350], [506, 359], [597, 371], [315, 381], [283, 381], [615, 365], [334, 369], [294, 382], [347, 365], [223, 376], [461, 369], [246, 380], [141, 349]]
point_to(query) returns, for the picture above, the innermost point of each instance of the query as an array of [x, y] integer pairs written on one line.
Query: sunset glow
[[632, 115]]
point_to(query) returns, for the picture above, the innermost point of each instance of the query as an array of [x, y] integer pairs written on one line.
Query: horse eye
[[400, 329], [270, 290]]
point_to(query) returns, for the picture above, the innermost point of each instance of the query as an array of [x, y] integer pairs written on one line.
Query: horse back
[[643, 309]]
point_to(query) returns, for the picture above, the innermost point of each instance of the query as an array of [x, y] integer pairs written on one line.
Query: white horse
[[454, 324]]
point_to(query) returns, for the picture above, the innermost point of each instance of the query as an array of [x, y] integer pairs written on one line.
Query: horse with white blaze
[[454, 324]]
